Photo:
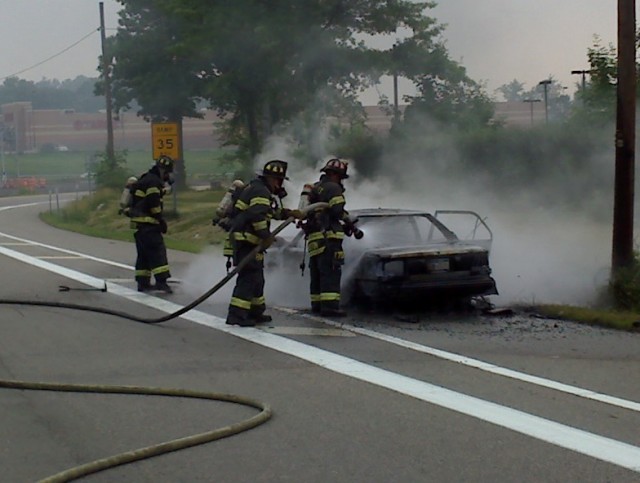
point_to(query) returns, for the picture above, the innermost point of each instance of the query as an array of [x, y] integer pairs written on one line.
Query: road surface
[[373, 398]]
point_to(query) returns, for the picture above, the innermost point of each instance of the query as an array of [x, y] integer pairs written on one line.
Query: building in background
[[31, 130]]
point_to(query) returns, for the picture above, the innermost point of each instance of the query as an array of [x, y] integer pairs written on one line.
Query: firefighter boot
[[260, 318], [241, 322], [163, 286], [144, 284], [326, 312]]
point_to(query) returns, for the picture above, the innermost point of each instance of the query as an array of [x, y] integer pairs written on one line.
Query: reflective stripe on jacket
[[147, 198], [253, 212], [326, 224]]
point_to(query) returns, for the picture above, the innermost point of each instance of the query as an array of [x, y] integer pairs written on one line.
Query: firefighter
[[325, 232], [146, 213], [250, 227]]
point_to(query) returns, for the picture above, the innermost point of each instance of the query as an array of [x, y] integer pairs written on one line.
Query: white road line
[[60, 257], [5, 208], [70, 252], [599, 447], [313, 331], [478, 364]]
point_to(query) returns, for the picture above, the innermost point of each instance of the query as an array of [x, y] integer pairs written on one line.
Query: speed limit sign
[[165, 139]]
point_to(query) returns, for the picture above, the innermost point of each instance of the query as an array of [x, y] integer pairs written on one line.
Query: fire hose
[[169, 446]]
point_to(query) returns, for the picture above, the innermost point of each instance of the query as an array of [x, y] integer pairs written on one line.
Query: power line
[[52, 57]]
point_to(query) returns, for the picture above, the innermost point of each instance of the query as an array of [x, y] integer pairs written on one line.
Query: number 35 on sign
[[165, 139]]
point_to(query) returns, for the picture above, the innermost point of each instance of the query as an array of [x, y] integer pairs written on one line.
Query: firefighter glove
[[163, 226], [297, 214]]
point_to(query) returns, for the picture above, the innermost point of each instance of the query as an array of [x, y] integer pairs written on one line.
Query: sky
[[496, 40]]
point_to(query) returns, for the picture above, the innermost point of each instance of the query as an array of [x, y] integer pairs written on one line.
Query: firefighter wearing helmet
[[325, 231], [146, 214], [258, 203]]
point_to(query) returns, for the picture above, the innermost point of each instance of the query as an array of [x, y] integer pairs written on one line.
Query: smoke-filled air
[[551, 224]]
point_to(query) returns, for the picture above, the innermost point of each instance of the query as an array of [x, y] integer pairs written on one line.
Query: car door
[[468, 226]]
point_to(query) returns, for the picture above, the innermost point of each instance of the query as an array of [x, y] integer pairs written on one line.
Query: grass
[[54, 165], [188, 215], [616, 319]]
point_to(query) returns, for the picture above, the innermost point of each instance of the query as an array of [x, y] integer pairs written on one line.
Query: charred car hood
[[443, 249]]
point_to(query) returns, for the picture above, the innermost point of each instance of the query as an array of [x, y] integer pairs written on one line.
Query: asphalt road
[[374, 398]]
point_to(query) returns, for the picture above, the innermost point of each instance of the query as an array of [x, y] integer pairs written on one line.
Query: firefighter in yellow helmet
[[325, 232], [257, 204], [146, 214]]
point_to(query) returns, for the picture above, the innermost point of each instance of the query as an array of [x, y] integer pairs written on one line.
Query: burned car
[[407, 255]]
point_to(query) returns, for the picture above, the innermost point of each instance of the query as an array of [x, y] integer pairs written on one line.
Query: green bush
[[112, 173]]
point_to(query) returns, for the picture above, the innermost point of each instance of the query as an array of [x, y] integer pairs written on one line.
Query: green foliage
[[148, 65], [513, 91], [597, 101], [597, 98], [269, 64], [74, 94], [556, 166], [360, 146], [111, 173], [97, 215], [617, 319]]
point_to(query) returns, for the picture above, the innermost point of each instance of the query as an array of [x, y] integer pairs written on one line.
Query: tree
[[513, 91], [150, 68], [52, 94], [599, 96], [266, 63]]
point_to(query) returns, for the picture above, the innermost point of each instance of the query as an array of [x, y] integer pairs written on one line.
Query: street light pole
[[4, 172], [583, 73], [531, 101], [545, 83]]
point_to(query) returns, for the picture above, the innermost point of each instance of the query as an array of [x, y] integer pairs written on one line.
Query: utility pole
[[531, 101], [396, 62], [106, 74], [545, 84], [4, 172], [396, 108], [622, 252]]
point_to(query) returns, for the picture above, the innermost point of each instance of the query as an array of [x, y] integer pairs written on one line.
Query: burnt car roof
[[371, 212]]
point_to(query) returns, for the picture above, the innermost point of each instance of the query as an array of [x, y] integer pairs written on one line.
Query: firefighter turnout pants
[[247, 300], [325, 271], [152, 255]]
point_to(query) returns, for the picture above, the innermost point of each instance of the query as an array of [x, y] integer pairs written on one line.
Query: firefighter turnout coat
[[146, 214], [251, 221], [325, 234]]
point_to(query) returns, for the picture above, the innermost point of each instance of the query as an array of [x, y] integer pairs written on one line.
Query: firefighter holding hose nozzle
[[325, 230], [256, 205]]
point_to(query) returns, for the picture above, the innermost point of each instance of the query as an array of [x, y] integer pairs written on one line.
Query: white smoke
[[539, 255]]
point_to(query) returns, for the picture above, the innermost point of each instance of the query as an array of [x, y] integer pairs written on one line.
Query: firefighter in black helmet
[[147, 214], [257, 204], [325, 231]]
